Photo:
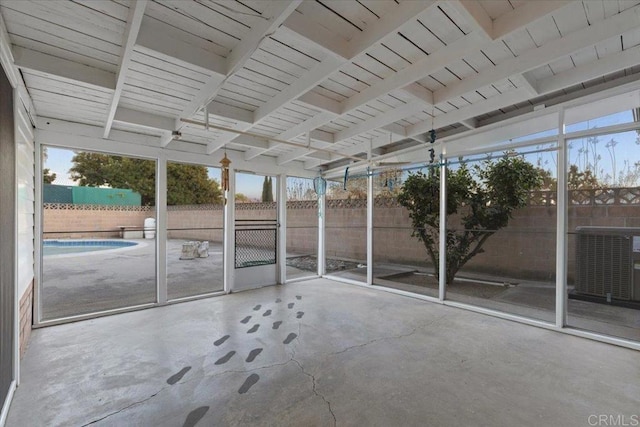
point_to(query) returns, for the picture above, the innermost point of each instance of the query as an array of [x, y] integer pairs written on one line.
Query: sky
[[609, 157]]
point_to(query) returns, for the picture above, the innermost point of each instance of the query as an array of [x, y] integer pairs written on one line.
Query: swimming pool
[[62, 247]]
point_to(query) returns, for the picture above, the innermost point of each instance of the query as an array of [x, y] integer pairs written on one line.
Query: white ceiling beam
[[491, 104], [440, 58], [32, 60], [414, 72], [143, 119], [308, 32], [255, 152], [319, 156], [320, 102], [603, 66], [275, 14], [252, 141], [525, 14], [230, 112], [469, 123], [478, 18], [312, 78], [353, 150], [63, 132], [534, 58], [87, 137], [322, 136], [527, 82], [306, 126], [227, 137], [296, 154], [298, 130], [166, 138], [388, 25], [136, 12], [315, 36], [380, 120], [303, 151], [164, 41], [396, 129], [419, 92]]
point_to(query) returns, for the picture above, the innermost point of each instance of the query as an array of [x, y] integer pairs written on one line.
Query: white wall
[[25, 177]]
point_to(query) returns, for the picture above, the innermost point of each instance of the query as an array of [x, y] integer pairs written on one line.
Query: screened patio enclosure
[[372, 96]]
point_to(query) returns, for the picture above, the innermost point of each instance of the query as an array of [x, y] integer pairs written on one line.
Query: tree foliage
[[300, 189], [186, 184], [267, 190], [241, 198], [47, 176], [483, 198]]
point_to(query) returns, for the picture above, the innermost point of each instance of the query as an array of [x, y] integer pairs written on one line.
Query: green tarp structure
[[90, 195]]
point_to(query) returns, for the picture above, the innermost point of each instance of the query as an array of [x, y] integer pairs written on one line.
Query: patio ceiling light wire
[[268, 138]]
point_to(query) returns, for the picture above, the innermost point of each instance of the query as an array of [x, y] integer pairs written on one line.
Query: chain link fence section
[[256, 243]]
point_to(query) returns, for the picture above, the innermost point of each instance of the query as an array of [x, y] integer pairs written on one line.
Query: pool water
[[61, 247]]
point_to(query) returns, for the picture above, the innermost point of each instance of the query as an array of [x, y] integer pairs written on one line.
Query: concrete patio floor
[[318, 353]]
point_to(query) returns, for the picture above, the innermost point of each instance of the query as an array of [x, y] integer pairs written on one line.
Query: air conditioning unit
[[608, 263]]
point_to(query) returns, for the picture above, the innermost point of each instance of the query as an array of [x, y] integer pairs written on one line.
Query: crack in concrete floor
[[273, 365]]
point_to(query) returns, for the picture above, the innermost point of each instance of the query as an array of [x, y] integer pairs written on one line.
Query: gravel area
[[310, 263]]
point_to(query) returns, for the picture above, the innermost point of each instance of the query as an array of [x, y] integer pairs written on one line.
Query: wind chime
[[320, 188], [225, 162]]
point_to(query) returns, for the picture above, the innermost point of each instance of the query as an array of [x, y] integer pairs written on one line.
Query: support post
[[228, 252], [322, 212], [442, 259], [281, 186], [161, 229], [561, 226], [370, 229]]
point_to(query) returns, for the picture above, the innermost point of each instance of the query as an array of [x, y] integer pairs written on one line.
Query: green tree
[[267, 190], [577, 180], [483, 198], [47, 176], [191, 185], [186, 184], [241, 198]]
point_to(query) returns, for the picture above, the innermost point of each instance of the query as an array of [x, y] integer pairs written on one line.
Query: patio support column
[[38, 237], [228, 244], [322, 212], [370, 229], [281, 189], [442, 259], [161, 228], [561, 226]]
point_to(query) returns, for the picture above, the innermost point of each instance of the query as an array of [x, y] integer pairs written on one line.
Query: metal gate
[[256, 242]]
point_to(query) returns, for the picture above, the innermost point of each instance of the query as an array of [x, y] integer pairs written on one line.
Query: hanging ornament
[[225, 162], [320, 187]]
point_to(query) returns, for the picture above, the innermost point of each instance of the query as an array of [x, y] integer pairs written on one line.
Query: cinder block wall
[[525, 249], [88, 221]]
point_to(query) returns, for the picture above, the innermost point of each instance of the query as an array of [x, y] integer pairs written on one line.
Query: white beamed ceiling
[[351, 74]]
